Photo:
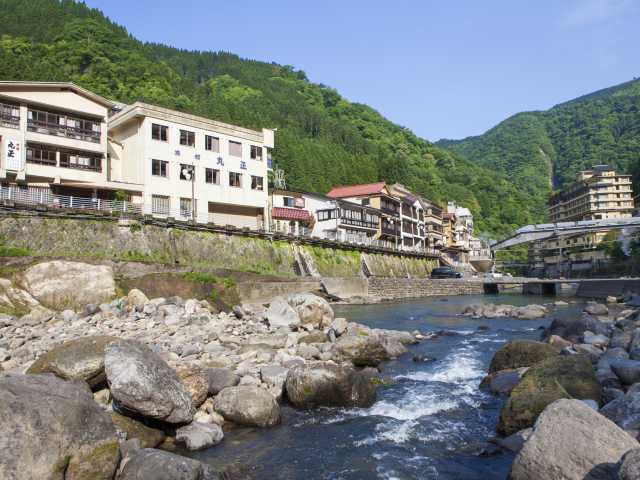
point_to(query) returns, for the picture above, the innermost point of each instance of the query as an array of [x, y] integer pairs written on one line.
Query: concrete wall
[[604, 288], [421, 287], [260, 292]]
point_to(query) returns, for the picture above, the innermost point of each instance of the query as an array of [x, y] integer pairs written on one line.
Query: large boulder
[[52, 429], [60, 284], [154, 464], [196, 381], [13, 299], [624, 410], [363, 350], [573, 329], [281, 314], [311, 309], [248, 405], [521, 353], [82, 359], [198, 436], [571, 441], [328, 384], [220, 378], [129, 429], [141, 382], [545, 382]]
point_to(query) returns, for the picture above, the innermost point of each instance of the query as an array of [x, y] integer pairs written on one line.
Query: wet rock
[[514, 442], [248, 405], [545, 382], [362, 350], [76, 284], [628, 371], [521, 353], [620, 339], [624, 411], [419, 357], [503, 382], [629, 467], [573, 329], [328, 384], [571, 441], [140, 381], [130, 429], [393, 347], [196, 381], [198, 436], [158, 465], [597, 340], [49, 425], [81, 359]]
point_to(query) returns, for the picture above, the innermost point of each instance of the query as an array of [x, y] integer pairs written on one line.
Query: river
[[431, 422]]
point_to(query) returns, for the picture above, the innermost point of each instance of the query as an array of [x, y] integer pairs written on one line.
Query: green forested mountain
[[543, 150], [322, 140]]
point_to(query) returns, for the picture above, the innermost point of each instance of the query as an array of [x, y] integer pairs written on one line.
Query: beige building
[[596, 194], [54, 143]]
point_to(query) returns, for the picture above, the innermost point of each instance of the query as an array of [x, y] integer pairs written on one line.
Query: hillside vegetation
[[323, 139], [543, 150]]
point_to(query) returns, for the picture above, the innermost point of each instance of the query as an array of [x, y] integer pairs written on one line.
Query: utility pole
[[193, 192]]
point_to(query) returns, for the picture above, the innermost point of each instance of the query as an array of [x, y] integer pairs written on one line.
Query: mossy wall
[[106, 240]]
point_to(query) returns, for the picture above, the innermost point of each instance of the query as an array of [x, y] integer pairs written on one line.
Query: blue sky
[[448, 68]]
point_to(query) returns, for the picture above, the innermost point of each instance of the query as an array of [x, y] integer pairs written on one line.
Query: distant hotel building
[[597, 194]]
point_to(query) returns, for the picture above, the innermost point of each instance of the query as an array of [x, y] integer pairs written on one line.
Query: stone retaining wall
[[421, 287]]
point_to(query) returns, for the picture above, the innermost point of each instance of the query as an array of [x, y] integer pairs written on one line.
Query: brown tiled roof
[[356, 190], [282, 213]]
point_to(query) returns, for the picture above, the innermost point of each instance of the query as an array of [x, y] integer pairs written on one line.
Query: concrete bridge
[[586, 287]]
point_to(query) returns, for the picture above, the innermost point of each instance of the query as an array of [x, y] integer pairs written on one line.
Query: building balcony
[[395, 232], [358, 223], [63, 131], [9, 121]]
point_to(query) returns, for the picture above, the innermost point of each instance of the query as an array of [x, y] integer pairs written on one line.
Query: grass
[[6, 251], [209, 278]]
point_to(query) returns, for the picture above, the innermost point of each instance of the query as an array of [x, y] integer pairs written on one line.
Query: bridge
[[532, 233]]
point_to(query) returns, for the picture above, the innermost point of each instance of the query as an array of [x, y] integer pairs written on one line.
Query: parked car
[[445, 272]]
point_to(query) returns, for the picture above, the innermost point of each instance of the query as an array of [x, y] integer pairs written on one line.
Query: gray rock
[[393, 347], [593, 308], [151, 464], [49, 425], [362, 350], [628, 371], [624, 411], [328, 384], [311, 309], [620, 339], [629, 468], [571, 441], [81, 359], [248, 405], [220, 378], [593, 352], [514, 442], [609, 394], [198, 436], [308, 352], [339, 325], [281, 314], [597, 340], [634, 346], [141, 382], [573, 329], [503, 381], [274, 377]]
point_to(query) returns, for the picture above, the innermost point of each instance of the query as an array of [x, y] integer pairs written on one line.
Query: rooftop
[[8, 84], [356, 190]]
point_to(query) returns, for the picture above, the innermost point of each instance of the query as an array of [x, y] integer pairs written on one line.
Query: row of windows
[[45, 155], [53, 123], [160, 168], [211, 143]]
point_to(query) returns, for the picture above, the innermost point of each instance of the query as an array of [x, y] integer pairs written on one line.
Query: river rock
[[198, 436], [327, 384], [393, 347], [316, 336], [61, 284], [281, 314], [311, 309], [593, 308], [81, 359], [130, 428], [514, 442], [135, 299], [140, 381], [573, 329], [251, 406], [552, 379], [220, 378], [196, 381], [339, 325], [530, 312], [521, 353], [594, 339], [14, 299], [49, 425], [628, 371], [154, 464], [502, 382], [629, 468], [571, 441], [364, 350], [274, 377], [624, 411], [620, 339]]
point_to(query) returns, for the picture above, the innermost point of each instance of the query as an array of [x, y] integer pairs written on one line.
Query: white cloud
[[589, 12]]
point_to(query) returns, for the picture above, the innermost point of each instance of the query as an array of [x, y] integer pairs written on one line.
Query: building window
[[187, 138], [256, 152], [212, 175], [256, 183], [159, 168], [159, 132], [365, 201], [324, 215], [211, 143], [9, 115], [41, 154], [235, 149], [235, 179], [288, 202], [81, 160], [187, 172], [185, 207], [160, 205]]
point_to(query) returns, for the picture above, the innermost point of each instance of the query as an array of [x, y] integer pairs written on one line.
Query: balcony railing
[[95, 165], [56, 129], [390, 231], [359, 223], [10, 121]]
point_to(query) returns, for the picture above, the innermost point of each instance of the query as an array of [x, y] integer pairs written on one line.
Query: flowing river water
[[431, 422]]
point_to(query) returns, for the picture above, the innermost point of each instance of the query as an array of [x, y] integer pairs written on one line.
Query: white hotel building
[[63, 145]]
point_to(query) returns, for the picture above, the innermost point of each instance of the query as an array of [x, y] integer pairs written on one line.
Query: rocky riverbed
[[110, 389]]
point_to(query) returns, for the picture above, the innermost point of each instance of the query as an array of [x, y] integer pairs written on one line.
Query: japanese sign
[[13, 154]]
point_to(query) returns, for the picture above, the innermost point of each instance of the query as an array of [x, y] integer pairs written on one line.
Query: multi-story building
[[596, 194], [412, 218], [378, 196], [435, 238], [54, 144], [193, 167]]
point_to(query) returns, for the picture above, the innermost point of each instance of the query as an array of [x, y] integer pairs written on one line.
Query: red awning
[[281, 213]]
